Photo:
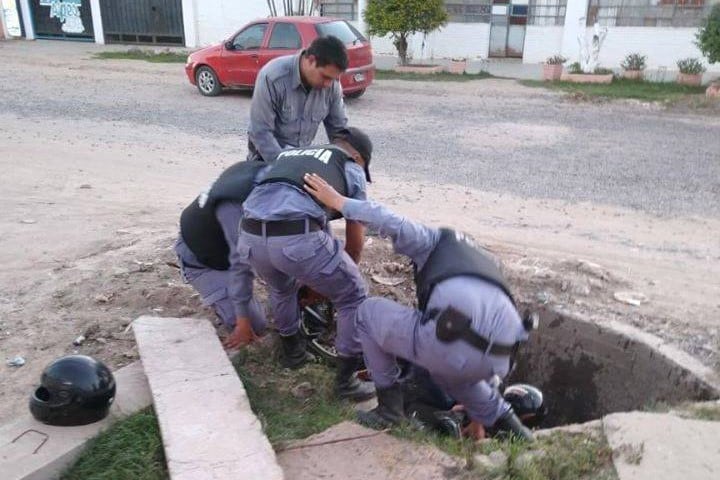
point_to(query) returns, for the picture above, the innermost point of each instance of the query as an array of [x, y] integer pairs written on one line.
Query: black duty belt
[[452, 325], [280, 228]]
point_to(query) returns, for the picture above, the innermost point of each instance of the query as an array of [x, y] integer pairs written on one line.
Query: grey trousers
[[389, 330], [315, 259], [212, 287]]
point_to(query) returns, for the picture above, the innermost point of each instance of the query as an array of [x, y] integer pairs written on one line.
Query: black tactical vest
[[326, 161], [456, 255], [199, 226]]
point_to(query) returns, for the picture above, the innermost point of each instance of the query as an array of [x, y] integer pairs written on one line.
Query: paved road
[[494, 135]]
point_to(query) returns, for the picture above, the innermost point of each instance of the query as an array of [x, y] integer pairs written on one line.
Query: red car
[[237, 61]]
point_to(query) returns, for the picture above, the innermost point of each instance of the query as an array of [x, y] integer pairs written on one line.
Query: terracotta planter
[[587, 78], [457, 67], [713, 91], [692, 79], [418, 68], [552, 72], [632, 74]]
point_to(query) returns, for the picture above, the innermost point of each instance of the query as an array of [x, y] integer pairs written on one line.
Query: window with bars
[[547, 12], [468, 11], [345, 9], [649, 13]]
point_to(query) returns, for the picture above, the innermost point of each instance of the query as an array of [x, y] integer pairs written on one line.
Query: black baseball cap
[[360, 142]]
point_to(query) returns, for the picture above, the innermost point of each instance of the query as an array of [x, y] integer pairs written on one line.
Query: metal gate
[[62, 19], [507, 28], [143, 21]]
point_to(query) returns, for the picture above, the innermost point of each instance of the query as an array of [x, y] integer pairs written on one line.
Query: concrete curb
[[208, 429]]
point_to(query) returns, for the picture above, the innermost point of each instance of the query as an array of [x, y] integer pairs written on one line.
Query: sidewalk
[[500, 67]]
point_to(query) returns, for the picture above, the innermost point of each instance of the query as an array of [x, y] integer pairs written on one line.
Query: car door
[[241, 61], [284, 39]]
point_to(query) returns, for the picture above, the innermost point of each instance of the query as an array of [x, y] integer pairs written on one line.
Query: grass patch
[[132, 448], [430, 77], [284, 416], [706, 412], [559, 456], [129, 450], [623, 88], [147, 55]]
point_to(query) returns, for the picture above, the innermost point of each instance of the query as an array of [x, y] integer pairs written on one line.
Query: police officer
[[293, 94], [208, 227], [466, 328], [285, 237]]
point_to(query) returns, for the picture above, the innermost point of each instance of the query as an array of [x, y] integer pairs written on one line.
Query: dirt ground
[[91, 209]]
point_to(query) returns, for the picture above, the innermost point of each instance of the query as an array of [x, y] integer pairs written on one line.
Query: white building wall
[[469, 40], [211, 21], [97, 21], [542, 42], [663, 46], [27, 21], [575, 14]]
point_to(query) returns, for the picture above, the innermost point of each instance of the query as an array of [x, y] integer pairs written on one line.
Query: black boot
[[347, 385], [389, 411], [292, 352], [511, 424]]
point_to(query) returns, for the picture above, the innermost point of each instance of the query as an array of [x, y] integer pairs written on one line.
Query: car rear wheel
[[355, 94], [207, 82]]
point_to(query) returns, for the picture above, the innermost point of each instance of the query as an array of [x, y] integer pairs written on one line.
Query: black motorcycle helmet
[[527, 402], [74, 390]]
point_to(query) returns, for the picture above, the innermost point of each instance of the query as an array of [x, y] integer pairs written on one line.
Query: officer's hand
[[325, 194], [474, 430], [241, 335]]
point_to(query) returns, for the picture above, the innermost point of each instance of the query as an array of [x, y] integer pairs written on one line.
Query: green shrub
[[574, 68], [634, 61], [402, 18], [556, 60], [690, 66], [708, 37]]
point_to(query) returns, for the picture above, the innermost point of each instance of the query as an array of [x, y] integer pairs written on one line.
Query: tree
[[403, 18], [708, 37]]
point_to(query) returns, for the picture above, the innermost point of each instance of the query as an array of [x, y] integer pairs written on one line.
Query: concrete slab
[[30, 450], [373, 456], [656, 446], [207, 426]]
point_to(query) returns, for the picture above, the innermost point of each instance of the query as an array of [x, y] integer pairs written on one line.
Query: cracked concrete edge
[[174, 350], [674, 355], [18, 440]]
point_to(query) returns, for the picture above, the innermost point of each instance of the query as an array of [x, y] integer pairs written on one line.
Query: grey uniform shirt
[[283, 201], [284, 114], [493, 314]]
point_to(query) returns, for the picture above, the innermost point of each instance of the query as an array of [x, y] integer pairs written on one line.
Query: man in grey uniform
[[285, 237], [466, 328], [293, 94], [208, 228]]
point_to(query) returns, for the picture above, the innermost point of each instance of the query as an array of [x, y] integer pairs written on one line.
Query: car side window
[[251, 38], [285, 36]]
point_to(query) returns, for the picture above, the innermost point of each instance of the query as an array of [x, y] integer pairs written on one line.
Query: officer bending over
[[466, 328], [208, 227], [285, 237]]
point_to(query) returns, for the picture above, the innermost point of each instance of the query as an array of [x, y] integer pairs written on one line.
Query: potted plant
[[458, 65], [553, 67], [691, 71], [633, 66]]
